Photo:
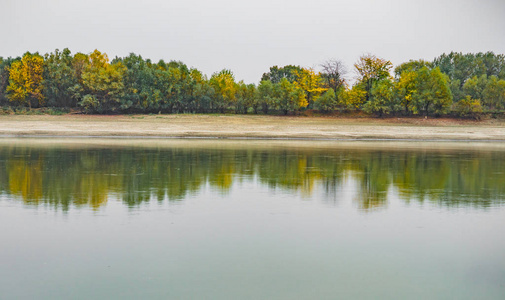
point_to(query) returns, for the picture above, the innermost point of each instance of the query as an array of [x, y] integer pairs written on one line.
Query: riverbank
[[251, 126]]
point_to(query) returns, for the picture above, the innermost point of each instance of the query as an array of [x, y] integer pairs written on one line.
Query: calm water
[[172, 219]]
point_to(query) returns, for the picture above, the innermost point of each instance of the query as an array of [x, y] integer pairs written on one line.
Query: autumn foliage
[[455, 83], [25, 80]]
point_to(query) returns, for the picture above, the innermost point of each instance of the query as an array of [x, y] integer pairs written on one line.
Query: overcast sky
[[248, 37]]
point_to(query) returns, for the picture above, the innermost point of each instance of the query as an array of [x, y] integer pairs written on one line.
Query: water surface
[[251, 219]]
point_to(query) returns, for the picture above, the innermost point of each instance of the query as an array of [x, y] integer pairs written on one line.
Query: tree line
[[454, 83]]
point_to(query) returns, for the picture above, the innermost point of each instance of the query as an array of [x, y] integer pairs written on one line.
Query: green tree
[[461, 67], [5, 64], [432, 93], [493, 94], [382, 100], [246, 97], [327, 102], [276, 74], [265, 96], [288, 97], [180, 88], [142, 92], [456, 89], [202, 92], [474, 87], [412, 66], [60, 79]]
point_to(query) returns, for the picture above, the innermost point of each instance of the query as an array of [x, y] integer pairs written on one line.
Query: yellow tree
[[311, 83], [406, 88], [25, 80], [79, 62], [355, 97], [371, 69], [225, 89], [102, 82]]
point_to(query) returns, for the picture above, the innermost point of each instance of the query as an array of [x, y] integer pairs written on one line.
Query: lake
[[242, 219]]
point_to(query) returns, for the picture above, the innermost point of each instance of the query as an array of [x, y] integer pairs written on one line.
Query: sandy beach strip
[[251, 126]]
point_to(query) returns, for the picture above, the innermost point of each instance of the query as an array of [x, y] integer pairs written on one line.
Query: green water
[[172, 219]]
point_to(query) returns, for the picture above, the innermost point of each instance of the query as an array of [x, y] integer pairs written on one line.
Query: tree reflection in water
[[86, 177]]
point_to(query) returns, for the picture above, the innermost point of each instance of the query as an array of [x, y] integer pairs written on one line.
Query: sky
[[248, 37]]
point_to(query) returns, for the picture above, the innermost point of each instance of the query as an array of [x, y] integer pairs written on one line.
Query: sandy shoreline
[[254, 127]]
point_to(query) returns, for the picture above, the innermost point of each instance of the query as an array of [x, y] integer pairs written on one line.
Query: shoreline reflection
[[65, 177]]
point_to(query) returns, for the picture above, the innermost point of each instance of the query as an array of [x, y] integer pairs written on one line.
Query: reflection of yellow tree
[[25, 179], [309, 175], [93, 181], [92, 189], [374, 180], [86, 178], [223, 176]]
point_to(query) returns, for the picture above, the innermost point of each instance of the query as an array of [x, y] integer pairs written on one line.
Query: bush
[[327, 102], [468, 107], [89, 103]]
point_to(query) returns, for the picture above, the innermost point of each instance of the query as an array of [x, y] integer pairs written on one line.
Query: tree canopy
[[451, 83]]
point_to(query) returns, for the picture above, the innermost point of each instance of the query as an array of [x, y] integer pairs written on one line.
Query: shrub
[[468, 107]]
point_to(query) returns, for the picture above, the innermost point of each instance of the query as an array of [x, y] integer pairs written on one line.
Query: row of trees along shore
[[452, 84]]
